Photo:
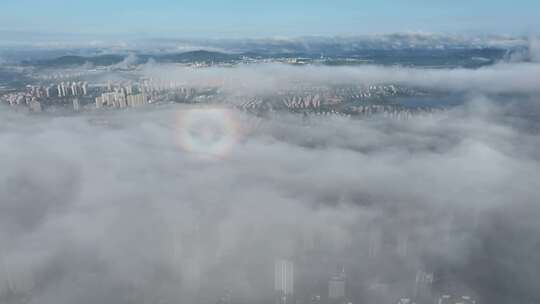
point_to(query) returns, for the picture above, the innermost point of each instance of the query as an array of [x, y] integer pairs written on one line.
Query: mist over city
[[256, 156]]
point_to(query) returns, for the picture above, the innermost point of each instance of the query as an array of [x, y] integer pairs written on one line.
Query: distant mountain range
[[469, 58], [418, 49], [113, 59]]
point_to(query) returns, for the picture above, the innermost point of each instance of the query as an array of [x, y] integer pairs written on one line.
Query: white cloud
[[113, 214], [499, 78]]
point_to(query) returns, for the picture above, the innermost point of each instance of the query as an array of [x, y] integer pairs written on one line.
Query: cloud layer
[[112, 209], [147, 206], [267, 78]]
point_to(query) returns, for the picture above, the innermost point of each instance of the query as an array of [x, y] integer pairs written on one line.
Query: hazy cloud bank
[[111, 209], [500, 78]]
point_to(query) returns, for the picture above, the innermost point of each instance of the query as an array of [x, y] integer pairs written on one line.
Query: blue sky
[[256, 18]]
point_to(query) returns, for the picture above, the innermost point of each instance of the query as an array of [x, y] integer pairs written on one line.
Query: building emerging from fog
[[336, 287], [284, 281], [449, 299], [76, 105], [16, 281]]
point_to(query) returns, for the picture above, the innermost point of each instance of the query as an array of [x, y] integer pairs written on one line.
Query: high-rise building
[[136, 100], [284, 281], [99, 102], [74, 89], [423, 285], [451, 299], [64, 91], [76, 104], [121, 100], [16, 279], [85, 88], [405, 301], [108, 99], [35, 106], [336, 286]]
